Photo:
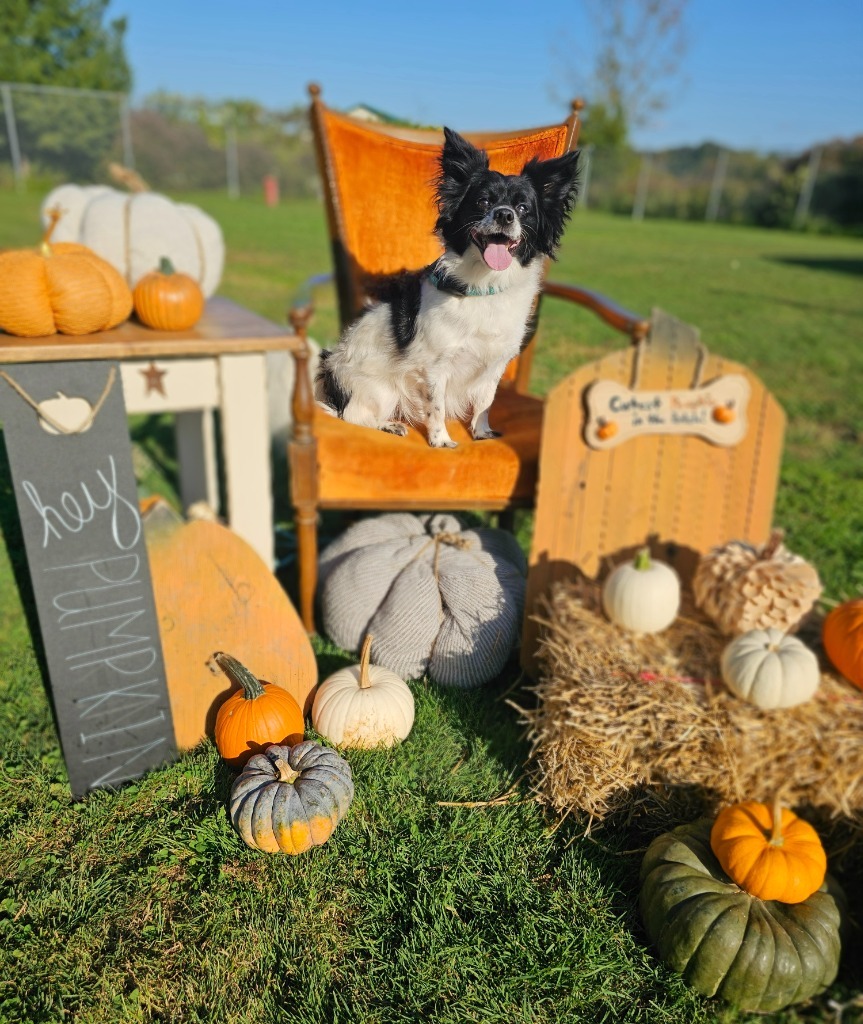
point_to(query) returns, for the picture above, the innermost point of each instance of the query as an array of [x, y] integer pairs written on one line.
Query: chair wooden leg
[[306, 523]]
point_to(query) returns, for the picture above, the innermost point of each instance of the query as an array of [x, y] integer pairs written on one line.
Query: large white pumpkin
[[769, 669], [642, 595], [363, 705], [133, 231]]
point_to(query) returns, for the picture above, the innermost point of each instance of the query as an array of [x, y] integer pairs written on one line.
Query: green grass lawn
[[144, 905]]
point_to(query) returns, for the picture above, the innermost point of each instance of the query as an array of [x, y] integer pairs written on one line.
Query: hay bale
[[642, 730]]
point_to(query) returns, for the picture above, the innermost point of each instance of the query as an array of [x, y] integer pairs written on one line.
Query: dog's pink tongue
[[497, 256]]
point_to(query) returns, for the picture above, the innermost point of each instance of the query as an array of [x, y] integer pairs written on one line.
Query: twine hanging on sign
[[49, 419]]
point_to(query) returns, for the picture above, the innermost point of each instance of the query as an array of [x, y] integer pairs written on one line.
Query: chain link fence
[[53, 134], [49, 135], [709, 183]]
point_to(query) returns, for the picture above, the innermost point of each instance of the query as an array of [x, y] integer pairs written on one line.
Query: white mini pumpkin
[[133, 231], [642, 595], [769, 669], [363, 705]]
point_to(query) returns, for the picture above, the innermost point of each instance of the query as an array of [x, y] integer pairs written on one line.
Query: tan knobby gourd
[[741, 587]]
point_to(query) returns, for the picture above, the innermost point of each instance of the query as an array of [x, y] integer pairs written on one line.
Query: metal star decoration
[[154, 379]]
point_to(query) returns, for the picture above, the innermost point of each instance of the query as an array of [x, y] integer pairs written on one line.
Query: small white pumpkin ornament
[[769, 669], [643, 595], [363, 705]]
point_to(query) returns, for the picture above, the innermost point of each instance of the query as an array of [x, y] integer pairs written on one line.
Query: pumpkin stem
[[239, 674], [54, 214], [286, 772], [166, 266], [365, 654], [774, 543], [776, 835], [642, 559]]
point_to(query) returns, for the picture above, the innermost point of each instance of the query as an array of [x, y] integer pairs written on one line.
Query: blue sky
[[763, 74]]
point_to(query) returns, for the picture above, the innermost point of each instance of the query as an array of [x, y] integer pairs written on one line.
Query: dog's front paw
[[394, 427], [485, 435], [442, 441]]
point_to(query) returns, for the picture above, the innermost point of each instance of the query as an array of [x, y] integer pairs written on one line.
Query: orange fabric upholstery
[[363, 468], [384, 187]]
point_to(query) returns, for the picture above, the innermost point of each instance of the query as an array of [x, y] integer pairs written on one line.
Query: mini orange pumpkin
[[606, 429], [771, 854], [724, 413], [61, 287], [168, 300], [258, 714], [842, 636]]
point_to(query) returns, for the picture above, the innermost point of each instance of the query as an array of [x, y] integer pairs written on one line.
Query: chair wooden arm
[[615, 316], [302, 459]]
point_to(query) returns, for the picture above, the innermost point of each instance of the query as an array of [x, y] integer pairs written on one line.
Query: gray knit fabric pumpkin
[[437, 598]]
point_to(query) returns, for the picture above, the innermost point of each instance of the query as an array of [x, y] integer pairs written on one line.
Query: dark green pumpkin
[[288, 799], [756, 954]]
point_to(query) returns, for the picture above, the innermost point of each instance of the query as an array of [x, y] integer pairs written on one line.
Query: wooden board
[[678, 493], [224, 327], [214, 593]]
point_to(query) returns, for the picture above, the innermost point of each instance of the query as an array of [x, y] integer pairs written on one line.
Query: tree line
[[180, 143]]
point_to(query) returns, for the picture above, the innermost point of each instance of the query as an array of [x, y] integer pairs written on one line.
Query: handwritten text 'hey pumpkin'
[[98, 601]]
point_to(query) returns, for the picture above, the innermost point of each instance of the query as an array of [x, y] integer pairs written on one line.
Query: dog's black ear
[[459, 163], [460, 159], [555, 182]]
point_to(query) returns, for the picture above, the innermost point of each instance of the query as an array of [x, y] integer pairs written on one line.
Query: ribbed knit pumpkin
[[437, 598], [60, 287]]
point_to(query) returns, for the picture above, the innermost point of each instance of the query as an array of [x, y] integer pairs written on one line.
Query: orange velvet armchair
[[378, 188]]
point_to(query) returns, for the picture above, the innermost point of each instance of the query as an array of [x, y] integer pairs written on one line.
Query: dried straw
[[642, 731]]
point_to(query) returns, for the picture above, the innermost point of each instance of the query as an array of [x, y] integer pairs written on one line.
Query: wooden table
[[218, 364]]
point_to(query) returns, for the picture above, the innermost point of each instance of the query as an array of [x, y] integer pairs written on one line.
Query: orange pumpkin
[[606, 429], [258, 714], [724, 413], [842, 636], [168, 300], [61, 287], [769, 853]]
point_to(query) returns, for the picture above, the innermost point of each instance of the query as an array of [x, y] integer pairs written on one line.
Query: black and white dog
[[434, 348]]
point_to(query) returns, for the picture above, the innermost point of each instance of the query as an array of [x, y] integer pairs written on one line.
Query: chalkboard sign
[[68, 445]]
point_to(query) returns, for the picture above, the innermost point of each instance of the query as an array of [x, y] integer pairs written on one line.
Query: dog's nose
[[504, 215]]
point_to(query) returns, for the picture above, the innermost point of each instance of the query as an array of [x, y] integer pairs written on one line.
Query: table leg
[[246, 450], [196, 451]]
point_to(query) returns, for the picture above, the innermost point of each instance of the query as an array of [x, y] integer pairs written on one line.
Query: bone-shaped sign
[[715, 411]]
